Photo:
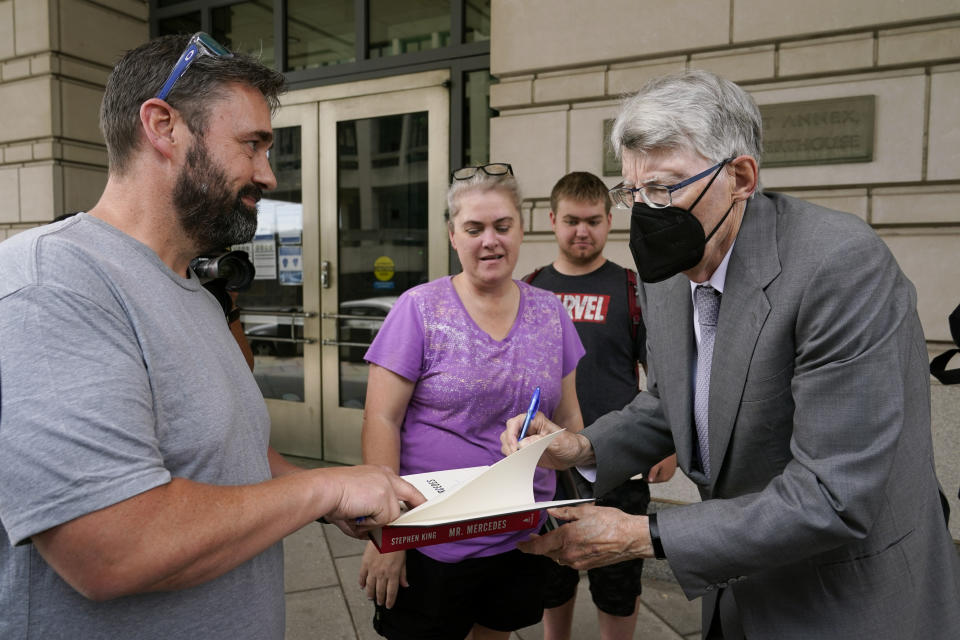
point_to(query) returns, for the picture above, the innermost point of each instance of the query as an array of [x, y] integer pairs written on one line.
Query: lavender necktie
[[707, 300]]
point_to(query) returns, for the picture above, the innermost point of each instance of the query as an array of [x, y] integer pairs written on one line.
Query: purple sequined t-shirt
[[468, 385]]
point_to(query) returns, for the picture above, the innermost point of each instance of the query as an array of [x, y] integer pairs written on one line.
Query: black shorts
[[444, 600], [614, 588]]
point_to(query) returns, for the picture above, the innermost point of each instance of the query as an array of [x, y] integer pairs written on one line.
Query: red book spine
[[390, 538]]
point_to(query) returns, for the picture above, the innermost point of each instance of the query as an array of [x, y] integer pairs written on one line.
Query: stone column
[[55, 56]]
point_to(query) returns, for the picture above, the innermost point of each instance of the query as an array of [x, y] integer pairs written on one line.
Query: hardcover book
[[471, 502]]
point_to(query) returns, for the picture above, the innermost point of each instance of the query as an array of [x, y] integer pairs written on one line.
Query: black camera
[[233, 267]]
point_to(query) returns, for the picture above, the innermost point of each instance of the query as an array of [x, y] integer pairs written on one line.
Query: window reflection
[[273, 307], [477, 20], [246, 27], [320, 33], [408, 26], [382, 239], [189, 23], [476, 117]]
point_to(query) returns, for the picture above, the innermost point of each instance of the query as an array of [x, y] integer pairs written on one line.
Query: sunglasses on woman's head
[[492, 169]]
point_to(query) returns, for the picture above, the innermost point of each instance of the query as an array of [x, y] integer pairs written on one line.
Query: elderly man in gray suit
[[788, 370]]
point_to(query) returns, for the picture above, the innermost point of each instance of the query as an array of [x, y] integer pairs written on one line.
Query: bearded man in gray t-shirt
[[139, 497]]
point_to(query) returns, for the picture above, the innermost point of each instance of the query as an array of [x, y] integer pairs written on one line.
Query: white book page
[[502, 488], [434, 484]]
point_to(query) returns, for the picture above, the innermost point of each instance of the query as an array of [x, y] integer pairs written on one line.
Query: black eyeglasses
[[657, 196], [492, 169], [201, 44]]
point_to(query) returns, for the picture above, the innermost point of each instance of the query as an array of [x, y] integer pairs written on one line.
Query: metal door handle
[[262, 338], [325, 274], [346, 316], [329, 342]]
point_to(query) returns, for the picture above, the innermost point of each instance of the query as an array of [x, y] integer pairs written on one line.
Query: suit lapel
[[673, 332], [744, 308]]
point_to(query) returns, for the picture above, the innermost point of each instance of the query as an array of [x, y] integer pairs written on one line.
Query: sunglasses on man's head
[[492, 169], [200, 44]]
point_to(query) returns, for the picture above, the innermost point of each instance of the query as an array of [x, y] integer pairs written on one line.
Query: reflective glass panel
[[476, 133], [187, 23], [408, 26], [382, 243], [476, 119], [320, 33], [246, 27], [476, 20], [272, 310]]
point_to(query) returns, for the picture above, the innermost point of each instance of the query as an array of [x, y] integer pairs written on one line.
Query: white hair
[[694, 111]]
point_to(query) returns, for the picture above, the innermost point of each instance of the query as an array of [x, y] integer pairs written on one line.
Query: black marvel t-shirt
[[597, 304]]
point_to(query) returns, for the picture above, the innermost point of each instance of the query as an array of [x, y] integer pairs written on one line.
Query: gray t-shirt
[[117, 374]]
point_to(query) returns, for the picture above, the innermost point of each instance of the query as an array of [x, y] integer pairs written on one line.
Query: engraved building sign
[[831, 131]]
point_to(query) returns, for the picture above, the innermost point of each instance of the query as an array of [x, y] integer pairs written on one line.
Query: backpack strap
[[530, 277], [632, 293]]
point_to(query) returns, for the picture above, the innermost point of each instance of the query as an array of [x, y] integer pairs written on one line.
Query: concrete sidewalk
[[324, 600]]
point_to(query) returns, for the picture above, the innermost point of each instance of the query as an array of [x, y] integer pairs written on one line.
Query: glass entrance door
[[383, 177]]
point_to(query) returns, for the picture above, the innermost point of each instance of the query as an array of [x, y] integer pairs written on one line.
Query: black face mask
[[666, 241]]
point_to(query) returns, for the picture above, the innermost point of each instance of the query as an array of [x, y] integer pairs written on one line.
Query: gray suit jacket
[[823, 514]]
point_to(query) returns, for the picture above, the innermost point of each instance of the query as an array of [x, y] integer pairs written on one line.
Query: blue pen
[[531, 411]]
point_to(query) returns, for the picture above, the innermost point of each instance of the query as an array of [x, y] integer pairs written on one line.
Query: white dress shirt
[[717, 281]]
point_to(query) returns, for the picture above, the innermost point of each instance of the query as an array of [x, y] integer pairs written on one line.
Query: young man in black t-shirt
[[597, 294]]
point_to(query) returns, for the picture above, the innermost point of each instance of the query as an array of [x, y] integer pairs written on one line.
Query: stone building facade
[[55, 56]]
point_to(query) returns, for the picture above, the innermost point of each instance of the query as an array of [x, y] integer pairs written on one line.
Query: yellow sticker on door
[[383, 268]]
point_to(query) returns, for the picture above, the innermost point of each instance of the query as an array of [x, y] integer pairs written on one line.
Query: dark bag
[[938, 366]]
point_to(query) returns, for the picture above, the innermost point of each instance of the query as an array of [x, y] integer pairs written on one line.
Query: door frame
[[296, 426]]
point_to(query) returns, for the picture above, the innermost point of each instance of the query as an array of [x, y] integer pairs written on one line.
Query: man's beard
[[210, 215], [582, 256]]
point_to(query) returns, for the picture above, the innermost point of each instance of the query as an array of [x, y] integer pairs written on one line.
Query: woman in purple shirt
[[454, 360]]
